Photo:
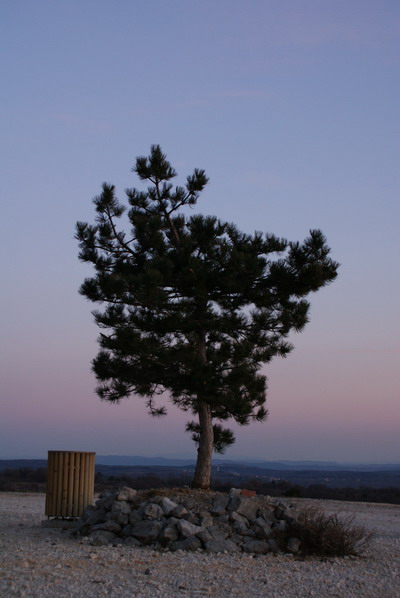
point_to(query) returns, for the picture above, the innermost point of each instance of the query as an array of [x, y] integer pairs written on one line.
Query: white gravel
[[36, 561]]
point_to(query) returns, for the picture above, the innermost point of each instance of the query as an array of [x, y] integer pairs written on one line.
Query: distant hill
[[22, 463], [137, 460], [271, 465], [236, 473], [144, 461]]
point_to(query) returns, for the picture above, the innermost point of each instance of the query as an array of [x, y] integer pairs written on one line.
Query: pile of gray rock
[[216, 523]]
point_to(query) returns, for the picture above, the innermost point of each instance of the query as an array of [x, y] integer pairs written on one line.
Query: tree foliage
[[190, 305]]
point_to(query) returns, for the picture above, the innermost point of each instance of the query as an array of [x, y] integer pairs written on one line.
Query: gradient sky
[[293, 109]]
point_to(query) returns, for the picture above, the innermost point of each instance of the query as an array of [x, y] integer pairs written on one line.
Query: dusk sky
[[292, 107]]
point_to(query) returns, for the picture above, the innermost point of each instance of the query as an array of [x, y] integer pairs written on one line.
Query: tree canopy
[[190, 305]]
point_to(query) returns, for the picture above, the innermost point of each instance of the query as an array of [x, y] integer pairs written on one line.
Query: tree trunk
[[202, 474]]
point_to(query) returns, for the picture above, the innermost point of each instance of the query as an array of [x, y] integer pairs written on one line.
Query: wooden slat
[[77, 473], [70, 483]]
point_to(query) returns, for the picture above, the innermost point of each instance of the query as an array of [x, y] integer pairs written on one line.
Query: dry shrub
[[328, 535]]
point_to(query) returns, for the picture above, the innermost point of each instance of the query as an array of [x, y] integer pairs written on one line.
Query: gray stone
[[187, 529], [121, 506], [96, 516], [205, 536], [191, 543], [248, 508], [89, 510], [167, 505], [189, 503], [105, 494], [157, 499], [219, 505], [173, 520], [127, 531], [193, 518], [293, 545], [153, 511], [219, 531], [136, 515], [234, 492], [127, 494], [280, 511], [261, 527], [268, 515], [169, 533], [106, 499], [109, 526], [101, 538], [256, 546], [179, 511], [280, 526], [242, 529], [205, 519], [218, 511], [221, 546], [237, 539], [212, 533], [234, 516], [289, 515], [234, 503], [121, 518], [84, 525], [221, 500], [222, 518], [273, 545], [147, 531]]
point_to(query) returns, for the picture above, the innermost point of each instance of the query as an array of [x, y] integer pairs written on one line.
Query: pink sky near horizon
[[293, 110]]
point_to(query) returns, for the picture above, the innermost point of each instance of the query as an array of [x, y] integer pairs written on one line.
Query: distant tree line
[[26, 479], [362, 494], [23, 479]]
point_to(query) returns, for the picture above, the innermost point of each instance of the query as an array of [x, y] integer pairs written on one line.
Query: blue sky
[[292, 108]]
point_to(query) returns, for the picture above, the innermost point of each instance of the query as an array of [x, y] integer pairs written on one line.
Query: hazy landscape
[[312, 479]]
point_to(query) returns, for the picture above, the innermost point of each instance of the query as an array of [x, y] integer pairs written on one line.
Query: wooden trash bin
[[70, 483]]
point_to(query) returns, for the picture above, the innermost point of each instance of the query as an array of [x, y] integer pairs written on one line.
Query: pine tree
[[191, 306]]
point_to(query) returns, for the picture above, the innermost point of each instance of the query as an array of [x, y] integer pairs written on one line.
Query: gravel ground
[[37, 561]]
